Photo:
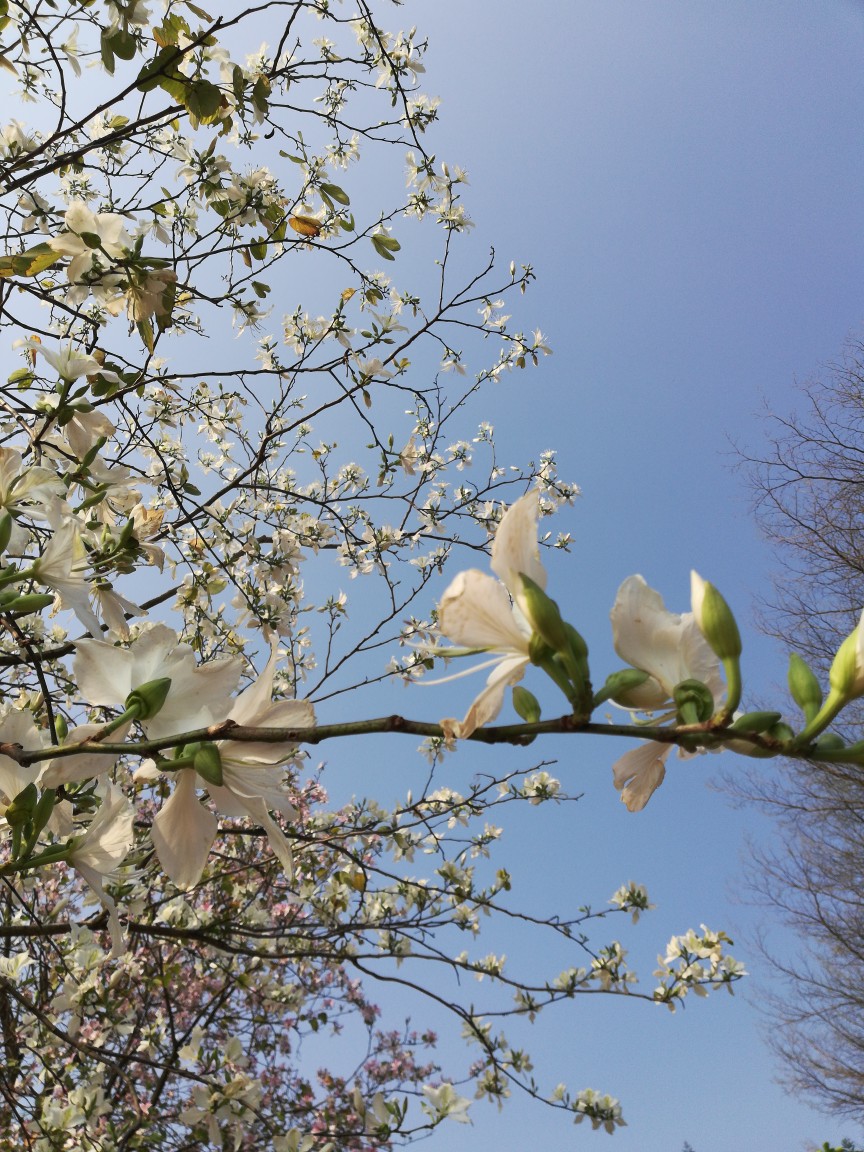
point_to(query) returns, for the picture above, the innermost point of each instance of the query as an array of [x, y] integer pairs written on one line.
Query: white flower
[[445, 1101], [107, 230], [200, 695], [17, 727], [476, 611], [63, 566], [183, 830], [69, 364], [670, 648]]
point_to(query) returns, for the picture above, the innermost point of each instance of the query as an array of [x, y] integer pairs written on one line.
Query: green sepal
[[5, 530], [207, 762], [618, 683]]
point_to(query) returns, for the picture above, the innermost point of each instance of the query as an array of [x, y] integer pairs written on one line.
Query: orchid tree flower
[[63, 567], [252, 785], [670, 648], [200, 695], [76, 241], [479, 613], [25, 489]]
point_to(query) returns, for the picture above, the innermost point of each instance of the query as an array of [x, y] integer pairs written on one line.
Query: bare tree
[[810, 505]]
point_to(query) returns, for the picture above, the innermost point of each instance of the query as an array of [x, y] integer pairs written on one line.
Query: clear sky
[[686, 178]]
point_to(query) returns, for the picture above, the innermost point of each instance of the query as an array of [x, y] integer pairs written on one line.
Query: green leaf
[[337, 193], [29, 263], [160, 67], [123, 44], [261, 93], [381, 248], [107, 54], [204, 101], [23, 377], [145, 331]]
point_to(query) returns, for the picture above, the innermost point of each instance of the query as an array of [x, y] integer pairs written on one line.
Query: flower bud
[[828, 742], [804, 687], [148, 699], [619, 685], [847, 671], [208, 764], [755, 722], [694, 702], [714, 618], [22, 807], [543, 615], [526, 705]]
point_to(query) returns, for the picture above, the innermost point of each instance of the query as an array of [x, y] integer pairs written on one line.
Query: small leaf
[[204, 101], [340, 196], [305, 225], [381, 248], [145, 331], [124, 45]]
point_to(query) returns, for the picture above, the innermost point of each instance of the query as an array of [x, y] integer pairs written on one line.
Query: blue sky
[[686, 179]]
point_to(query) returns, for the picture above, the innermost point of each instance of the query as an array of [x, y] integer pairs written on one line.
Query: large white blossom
[[200, 695], [184, 829], [670, 648], [476, 612]]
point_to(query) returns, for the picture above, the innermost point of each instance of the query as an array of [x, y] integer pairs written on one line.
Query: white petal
[[515, 549], [488, 704], [109, 835], [17, 727], [475, 612], [102, 672], [183, 833], [639, 773]]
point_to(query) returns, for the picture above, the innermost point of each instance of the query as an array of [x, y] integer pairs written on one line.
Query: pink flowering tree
[[242, 375]]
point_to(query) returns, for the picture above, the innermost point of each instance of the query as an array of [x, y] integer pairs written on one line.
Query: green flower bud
[[148, 699], [28, 602], [20, 811], [804, 687], [755, 722], [526, 705], [694, 702], [829, 742], [61, 728], [208, 764], [618, 684], [847, 670], [781, 732], [543, 615], [5, 531], [714, 618]]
